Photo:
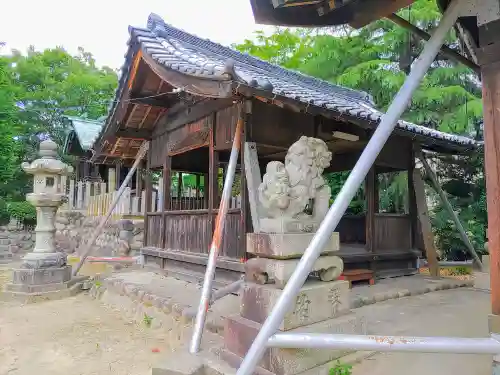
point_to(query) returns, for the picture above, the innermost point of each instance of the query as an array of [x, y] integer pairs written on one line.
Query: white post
[[135, 205], [79, 195], [71, 193], [143, 202], [153, 201], [252, 174], [102, 188], [88, 186]]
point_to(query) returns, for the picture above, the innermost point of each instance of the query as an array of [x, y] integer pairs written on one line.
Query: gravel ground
[[74, 336]]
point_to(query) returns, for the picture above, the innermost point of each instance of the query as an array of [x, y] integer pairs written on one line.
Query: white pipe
[[457, 345]]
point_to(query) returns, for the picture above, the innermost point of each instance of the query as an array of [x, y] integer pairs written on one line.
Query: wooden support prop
[[425, 223], [449, 208], [89, 245], [217, 239], [252, 173]]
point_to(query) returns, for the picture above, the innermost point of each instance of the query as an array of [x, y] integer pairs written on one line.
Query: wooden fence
[[96, 198]]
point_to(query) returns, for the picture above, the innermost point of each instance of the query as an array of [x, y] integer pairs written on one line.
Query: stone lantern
[[47, 197], [44, 270]]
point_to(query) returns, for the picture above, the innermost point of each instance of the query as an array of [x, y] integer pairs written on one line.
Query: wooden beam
[[191, 113], [425, 223], [164, 100], [133, 133], [374, 10], [135, 66], [448, 52]]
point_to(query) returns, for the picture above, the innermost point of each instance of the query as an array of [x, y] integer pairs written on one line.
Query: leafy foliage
[[340, 369], [37, 89], [24, 211]]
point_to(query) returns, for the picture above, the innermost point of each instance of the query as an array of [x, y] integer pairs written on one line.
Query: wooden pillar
[[118, 178], [86, 169], [246, 222], [412, 203], [425, 223], [213, 173], [371, 207], [167, 182], [179, 190], [139, 186], [489, 59], [111, 180], [149, 190]]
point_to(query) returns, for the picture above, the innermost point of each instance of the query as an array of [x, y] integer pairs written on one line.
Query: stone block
[[482, 280], [317, 301], [40, 276], [40, 293], [279, 271], [239, 334], [286, 245]]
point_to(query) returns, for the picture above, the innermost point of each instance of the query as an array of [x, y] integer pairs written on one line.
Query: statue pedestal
[[322, 305], [286, 245]]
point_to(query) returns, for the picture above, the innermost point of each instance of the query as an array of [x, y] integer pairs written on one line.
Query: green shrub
[[25, 212], [4, 213]]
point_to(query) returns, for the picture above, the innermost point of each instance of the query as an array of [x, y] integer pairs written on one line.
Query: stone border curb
[[164, 311], [396, 294]]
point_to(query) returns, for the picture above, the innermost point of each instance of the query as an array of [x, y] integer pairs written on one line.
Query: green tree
[[37, 90]]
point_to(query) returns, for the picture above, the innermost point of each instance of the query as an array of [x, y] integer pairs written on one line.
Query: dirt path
[[74, 336]]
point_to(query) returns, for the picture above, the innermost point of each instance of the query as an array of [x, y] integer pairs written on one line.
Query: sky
[[101, 26]]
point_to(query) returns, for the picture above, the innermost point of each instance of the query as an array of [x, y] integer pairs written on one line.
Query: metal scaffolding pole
[[88, 246], [451, 345], [206, 292], [354, 181]]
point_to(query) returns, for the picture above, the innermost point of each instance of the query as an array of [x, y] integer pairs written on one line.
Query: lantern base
[[39, 260], [32, 285]]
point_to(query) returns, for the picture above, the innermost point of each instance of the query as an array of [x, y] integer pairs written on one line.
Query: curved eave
[[214, 87]]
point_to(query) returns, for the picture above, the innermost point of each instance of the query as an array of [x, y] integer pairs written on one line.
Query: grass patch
[[148, 320], [340, 369]]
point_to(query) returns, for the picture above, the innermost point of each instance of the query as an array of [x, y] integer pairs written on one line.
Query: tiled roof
[[86, 131], [183, 52]]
